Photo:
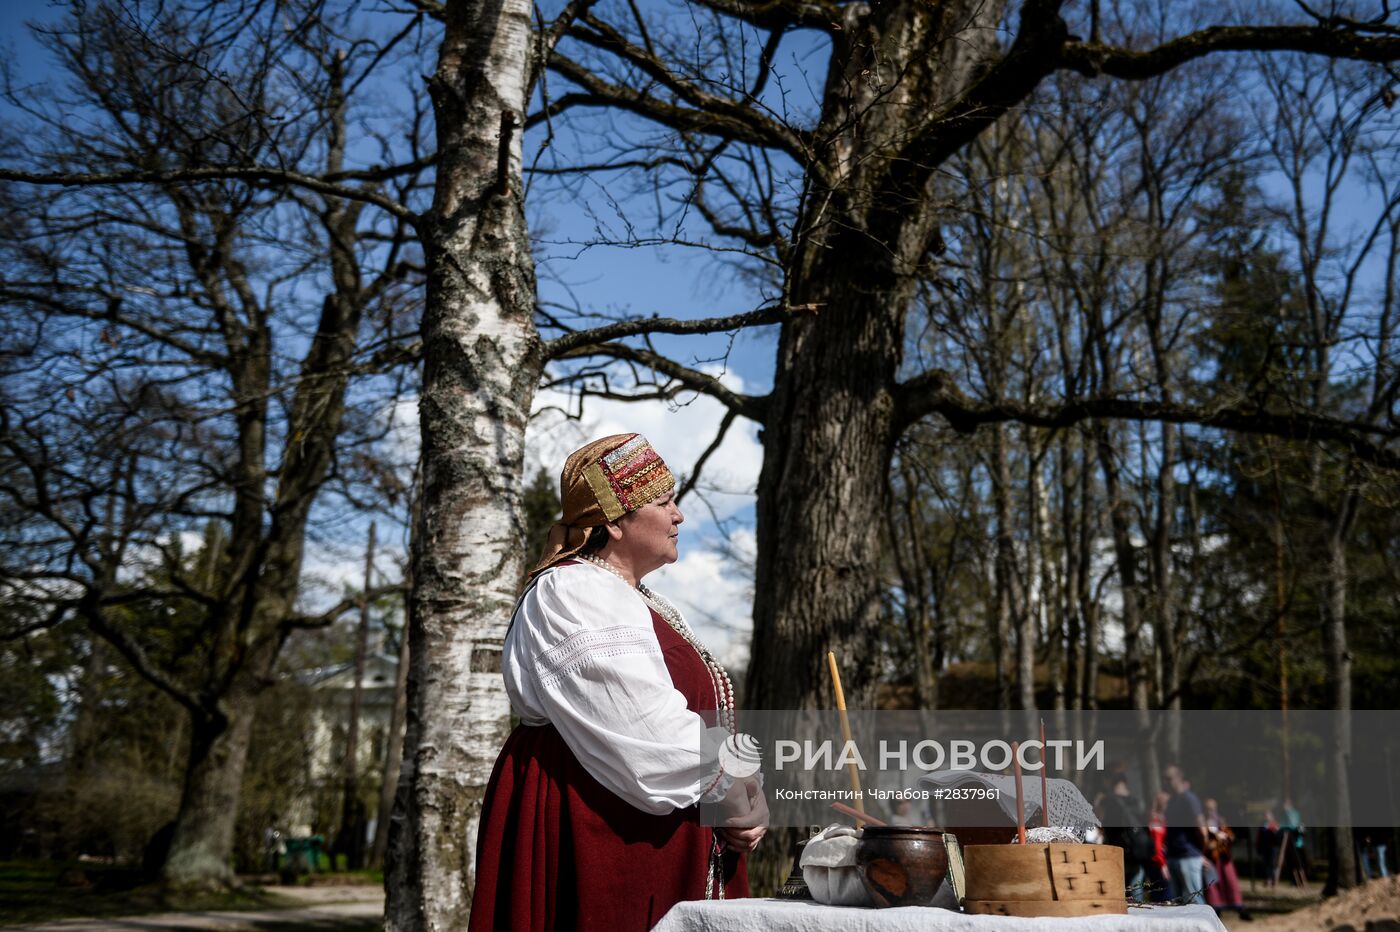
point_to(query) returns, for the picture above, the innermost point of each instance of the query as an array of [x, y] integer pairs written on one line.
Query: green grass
[[32, 891], [368, 878]]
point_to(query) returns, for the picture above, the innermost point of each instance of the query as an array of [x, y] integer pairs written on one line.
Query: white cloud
[[331, 569], [679, 432], [710, 586], [404, 436], [713, 593]]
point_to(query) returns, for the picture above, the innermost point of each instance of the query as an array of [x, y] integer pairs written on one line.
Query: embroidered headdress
[[602, 482]]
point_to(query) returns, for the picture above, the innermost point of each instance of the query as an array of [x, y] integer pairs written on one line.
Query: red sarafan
[[560, 851]]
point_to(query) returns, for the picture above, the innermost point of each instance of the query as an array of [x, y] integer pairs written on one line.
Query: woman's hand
[[745, 812], [742, 840]]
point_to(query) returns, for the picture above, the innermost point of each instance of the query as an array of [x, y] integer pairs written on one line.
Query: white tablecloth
[[805, 916]]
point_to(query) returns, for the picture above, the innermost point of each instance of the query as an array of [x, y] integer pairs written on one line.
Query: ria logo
[[740, 755]]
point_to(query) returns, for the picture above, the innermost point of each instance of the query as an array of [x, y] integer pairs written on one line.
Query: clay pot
[[902, 865]]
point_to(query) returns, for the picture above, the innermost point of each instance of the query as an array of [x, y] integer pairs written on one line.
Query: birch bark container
[[1044, 880]]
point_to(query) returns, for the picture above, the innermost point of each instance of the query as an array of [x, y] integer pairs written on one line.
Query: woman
[[1267, 842], [1159, 878], [590, 820], [1225, 892]]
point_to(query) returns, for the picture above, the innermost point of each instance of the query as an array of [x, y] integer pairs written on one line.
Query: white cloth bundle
[[829, 867]]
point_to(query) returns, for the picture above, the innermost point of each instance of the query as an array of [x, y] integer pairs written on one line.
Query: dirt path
[[1371, 907], [334, 909]]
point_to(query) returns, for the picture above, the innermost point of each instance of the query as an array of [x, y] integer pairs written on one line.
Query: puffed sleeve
[[595, 671]]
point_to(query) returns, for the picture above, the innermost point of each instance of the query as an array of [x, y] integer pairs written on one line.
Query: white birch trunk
[[481, 365]]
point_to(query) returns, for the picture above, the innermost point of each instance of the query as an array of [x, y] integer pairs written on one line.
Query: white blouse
[[581, 654]]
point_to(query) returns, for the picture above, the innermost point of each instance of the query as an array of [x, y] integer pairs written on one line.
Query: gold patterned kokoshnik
[[628, 477], [600, 483]]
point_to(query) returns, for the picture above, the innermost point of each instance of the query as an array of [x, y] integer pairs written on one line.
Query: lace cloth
[[1068, 807]]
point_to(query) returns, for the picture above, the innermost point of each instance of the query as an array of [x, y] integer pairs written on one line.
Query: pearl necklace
[[719, 680]]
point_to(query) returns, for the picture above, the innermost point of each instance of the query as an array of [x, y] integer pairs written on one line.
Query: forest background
[[1048, 375]]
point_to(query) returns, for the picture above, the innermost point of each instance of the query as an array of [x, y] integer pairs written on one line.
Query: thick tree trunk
[[199, 850], [821, 495], [861, 242], [862, 239], [481, 365], [251, 625]]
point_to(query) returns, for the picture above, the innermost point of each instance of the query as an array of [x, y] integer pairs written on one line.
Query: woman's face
[[649, 536]]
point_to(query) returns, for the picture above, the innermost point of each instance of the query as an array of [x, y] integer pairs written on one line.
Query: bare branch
[[1353, 41], [1033, 55], [620, 165], [602, 36], [781, 14], [55, 617], [112, 312], [560, 347], [935, 392], [1042, 44], [383, 172], [753, 407], [349, 603], [694, 476], [136, 655], [730, 119], [430, 8], [549, 37], [213, 173]]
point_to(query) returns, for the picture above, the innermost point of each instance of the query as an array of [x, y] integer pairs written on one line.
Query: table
[[756, 915]]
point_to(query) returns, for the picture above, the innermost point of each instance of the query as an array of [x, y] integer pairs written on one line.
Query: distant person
[[902, 813], [274, 848], [1158, 875], [1125, 826], [1186, 837], [1373, 845], [1225, 892], [1295, 852], [1267, 840]]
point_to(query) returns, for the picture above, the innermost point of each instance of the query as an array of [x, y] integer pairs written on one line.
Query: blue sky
[[669, 281]]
